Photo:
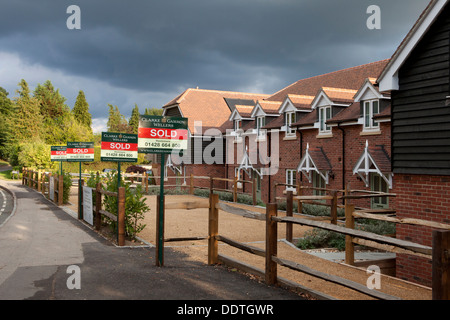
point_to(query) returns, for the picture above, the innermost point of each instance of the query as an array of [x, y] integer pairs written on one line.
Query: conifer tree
[[134, 120], [81, 110]]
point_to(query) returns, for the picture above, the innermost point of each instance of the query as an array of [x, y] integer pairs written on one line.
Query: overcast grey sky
[[148, 51]]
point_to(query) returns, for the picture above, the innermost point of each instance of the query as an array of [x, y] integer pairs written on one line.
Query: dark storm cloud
[[162, 46]]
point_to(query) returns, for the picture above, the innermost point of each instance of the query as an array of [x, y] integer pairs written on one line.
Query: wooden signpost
[[162, 135], [80, 152], [119, 147], [58, 153]]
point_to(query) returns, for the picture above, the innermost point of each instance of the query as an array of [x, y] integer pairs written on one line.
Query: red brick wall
[[421, 197]]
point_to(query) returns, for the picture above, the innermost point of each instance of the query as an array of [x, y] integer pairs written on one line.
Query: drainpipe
[[343, 154], [301, 150], [269, 150]]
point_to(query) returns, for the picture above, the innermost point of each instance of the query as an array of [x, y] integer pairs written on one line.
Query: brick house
[[418, 77], [207, 112], [323, 126]]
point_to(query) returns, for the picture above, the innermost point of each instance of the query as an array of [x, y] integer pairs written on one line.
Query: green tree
[[134, 120], [153, 111], [81, 110], [26, 121], [116, 121], [53, 110], [6, 111]]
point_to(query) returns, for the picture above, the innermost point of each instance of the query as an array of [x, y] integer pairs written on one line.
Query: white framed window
[[324, 116], [289, 120], [237, 125], [371, 108], [260, 123], [291, 179]]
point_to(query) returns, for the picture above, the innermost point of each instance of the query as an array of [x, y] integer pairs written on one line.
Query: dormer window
[[324, 116], [371, 108], [289, 120]]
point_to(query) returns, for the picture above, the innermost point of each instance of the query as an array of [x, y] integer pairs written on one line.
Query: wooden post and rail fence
[[438, 253]]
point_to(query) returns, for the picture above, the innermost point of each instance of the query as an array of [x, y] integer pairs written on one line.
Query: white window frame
[[238, 130], [323, 127], [290, 118], [291, 178], [260, 122], [368, 112], [237, 125]]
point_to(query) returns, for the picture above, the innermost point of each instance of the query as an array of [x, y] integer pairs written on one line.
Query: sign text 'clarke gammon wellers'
[[159, 134], [121, 147]]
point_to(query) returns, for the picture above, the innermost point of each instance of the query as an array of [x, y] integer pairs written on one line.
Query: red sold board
[[80, 151], [120, 147], [159, 134]]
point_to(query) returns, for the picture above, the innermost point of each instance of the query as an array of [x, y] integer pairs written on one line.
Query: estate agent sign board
[[159, 134], [80, 151], [120, 147], [58, 153]]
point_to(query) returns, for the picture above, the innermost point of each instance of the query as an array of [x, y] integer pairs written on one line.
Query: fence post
[[289, 213], [349, 223], [39, 183], [299, 202], [333, 208], [254, 187], [98, 206], [211, 186], [271, 244], [441, 265], [235, 189], [60, 189], [121, 217], [213, 230], [55, 181]]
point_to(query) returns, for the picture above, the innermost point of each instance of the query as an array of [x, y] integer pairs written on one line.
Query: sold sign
[[121, 147], [80, 151], [158, 134], [58, 153]]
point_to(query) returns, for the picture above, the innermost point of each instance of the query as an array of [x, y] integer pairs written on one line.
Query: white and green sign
[[121, 147], [158, 134]]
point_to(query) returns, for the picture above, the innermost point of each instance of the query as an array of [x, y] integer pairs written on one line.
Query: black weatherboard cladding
[[420, 110]]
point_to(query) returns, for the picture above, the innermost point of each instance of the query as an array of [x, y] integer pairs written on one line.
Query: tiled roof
[[300, 101], [244, 111], [208, 106], [351, 78], [339, 95], [320, 159], [351, 113], [381, 158], [307, 120], [270, 107]]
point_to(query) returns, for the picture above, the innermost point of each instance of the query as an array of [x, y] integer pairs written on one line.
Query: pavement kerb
[[12, 193]]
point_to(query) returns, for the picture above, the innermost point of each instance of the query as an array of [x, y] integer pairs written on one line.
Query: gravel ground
[[194, 223]]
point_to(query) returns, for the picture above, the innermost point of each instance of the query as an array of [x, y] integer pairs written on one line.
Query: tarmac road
[[47, 253]]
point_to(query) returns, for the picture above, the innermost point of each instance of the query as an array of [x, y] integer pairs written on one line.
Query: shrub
[[135, 206], [319, 238]]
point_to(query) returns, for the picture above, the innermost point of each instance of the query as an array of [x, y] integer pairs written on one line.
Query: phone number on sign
[[163, 145]]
